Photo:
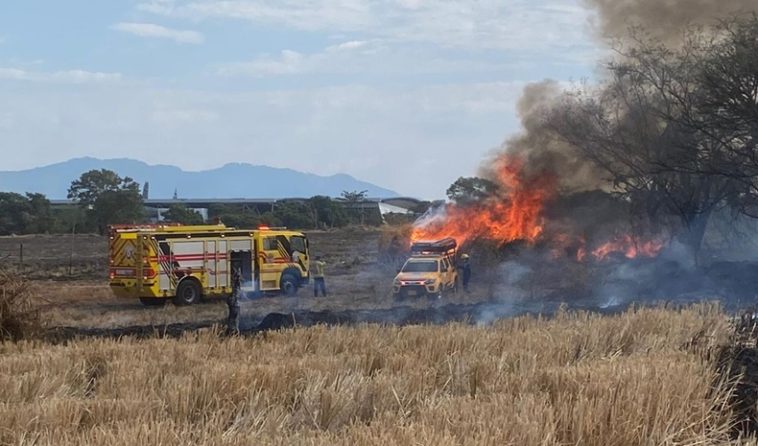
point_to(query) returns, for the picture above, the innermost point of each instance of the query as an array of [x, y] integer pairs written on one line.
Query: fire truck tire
[[152, 301], [288, 285], [188, 292]]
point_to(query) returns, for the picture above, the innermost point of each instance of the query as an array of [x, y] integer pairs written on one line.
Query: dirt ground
[[70, 274]]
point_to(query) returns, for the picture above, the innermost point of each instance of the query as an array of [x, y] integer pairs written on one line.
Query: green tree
[[353, 201], [179, 213], [467, 191], [67, 219], [109, 198], [117, 207], [242, 217], [326, 212], [40, 214], [295, 214], [21, 214], [88, 188], [14, 213], [354, 196]]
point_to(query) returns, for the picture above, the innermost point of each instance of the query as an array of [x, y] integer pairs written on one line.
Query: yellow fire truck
[[186, 263]]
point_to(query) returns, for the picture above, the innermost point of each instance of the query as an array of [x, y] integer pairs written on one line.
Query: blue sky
[[408, 94]]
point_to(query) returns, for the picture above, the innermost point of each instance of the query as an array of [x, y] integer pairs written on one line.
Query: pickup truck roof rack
[[443, 246]]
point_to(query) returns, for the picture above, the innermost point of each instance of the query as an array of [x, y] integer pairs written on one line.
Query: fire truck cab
[[430, 271], [155, 263]]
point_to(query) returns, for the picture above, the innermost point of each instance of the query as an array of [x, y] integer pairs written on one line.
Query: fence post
[[21, 255], [71, 253]]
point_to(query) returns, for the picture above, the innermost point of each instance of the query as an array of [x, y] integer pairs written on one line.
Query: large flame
[[515, 214], [629, 246]]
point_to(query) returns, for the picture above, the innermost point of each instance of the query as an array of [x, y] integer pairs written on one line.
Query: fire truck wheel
[[187, 293], [152, 301], [288, 285]]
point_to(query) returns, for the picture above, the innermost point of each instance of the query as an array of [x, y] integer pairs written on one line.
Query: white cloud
[[64, 77], [494, 24], [288, 62], [157, 31], [350, 45], [165, 7], [13, 74], [179, 116], [359, 57]]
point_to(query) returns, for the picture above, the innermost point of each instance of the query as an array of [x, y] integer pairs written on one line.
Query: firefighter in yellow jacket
[[317, 272]]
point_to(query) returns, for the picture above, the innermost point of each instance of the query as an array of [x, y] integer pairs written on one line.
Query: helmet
[[464, 256]]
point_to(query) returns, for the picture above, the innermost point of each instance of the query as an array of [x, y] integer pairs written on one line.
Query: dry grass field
[[647, 376]]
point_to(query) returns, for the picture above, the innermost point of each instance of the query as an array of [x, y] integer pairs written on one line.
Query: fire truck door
[[211, 264], [222, 266], [241, 256], [243, 260]]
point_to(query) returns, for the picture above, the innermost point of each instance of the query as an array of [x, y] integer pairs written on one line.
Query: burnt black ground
[[435, 313]]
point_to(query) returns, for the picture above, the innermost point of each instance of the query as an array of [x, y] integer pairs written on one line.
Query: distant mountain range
[[229, 181]]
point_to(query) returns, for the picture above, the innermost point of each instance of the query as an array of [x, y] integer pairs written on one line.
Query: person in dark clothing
[[465, 268], [232, 301]]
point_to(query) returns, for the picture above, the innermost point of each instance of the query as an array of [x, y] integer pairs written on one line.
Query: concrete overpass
[[397, 205]]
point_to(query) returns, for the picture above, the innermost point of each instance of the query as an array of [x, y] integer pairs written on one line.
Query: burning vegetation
[[513, 211], [632, 187], [668, 135]]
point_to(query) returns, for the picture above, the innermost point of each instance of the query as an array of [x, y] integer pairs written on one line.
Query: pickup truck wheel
[[187, 293]]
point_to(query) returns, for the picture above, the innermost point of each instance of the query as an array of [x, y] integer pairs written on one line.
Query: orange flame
[[628, 246], [516, 215]]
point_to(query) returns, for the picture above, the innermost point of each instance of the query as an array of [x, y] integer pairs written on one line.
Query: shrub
[[18, 317]]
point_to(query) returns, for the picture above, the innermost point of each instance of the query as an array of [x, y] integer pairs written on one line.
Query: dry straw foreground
[[639, 378]]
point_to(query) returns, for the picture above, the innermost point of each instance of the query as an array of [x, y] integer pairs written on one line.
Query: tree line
[[103, 198]]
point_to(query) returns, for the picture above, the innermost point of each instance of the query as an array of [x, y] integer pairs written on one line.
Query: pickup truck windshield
[[422, 266]]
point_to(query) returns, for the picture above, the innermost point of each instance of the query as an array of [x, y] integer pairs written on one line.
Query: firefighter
[[465, 268], [232, 301], [319, 285]]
